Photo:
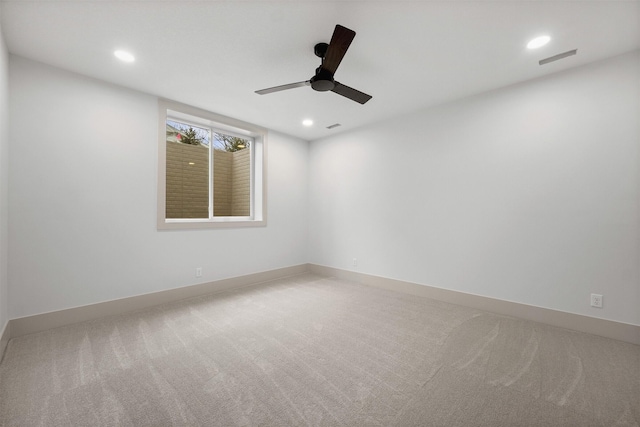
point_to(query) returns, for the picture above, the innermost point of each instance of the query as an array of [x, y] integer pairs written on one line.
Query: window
[[211, 170]]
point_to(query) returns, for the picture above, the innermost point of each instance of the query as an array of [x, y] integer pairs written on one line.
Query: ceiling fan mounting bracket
[[320, 49]]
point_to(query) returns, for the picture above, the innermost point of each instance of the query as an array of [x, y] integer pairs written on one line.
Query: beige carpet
[[317, 351]]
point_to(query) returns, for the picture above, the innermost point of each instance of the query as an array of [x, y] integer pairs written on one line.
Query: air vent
[[558, 56], [334, 126]]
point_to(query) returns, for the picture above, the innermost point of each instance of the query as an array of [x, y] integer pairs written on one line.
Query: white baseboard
[[41, 322], [577, 322]]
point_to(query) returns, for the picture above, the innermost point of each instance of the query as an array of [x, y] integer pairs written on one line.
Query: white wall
[[82, 199], [4, 178], [528, 194]]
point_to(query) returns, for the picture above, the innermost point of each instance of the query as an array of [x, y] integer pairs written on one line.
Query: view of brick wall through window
[[187, 186]]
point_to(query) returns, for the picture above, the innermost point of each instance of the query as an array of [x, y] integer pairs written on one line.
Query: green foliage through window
[[229, 143], [187, 134], [190, 136]]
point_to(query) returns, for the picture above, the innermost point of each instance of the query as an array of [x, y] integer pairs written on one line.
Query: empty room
[[319, 213]]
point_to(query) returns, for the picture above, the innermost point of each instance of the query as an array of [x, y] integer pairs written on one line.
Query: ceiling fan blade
[[351, 93], [283, 87], [340, 42]]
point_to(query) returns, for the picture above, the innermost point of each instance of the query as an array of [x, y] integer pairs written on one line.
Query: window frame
[[258, 157]]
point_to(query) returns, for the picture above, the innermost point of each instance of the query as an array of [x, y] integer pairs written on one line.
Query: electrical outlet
[[199, 272], [354, 262], [596, 300]]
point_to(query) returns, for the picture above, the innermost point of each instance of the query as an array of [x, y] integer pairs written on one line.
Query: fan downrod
[[323, 80]]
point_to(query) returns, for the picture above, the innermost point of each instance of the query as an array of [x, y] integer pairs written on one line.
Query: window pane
[[231, 175], [187, 173]]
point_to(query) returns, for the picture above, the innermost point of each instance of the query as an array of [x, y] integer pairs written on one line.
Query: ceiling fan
[[331, 55]]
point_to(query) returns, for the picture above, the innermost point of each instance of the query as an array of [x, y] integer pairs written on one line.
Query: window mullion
[[211, 172]]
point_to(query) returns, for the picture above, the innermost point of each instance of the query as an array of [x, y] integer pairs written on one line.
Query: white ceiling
[[407, 54]]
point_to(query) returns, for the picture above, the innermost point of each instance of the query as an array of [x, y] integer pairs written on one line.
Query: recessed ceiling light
[[124, 56], [307, 122], [538, 42]]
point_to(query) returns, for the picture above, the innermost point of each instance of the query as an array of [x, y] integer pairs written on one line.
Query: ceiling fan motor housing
[[322, 81]]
